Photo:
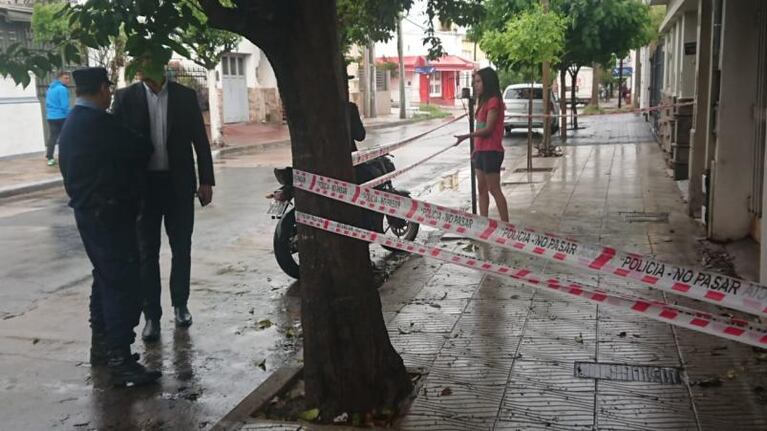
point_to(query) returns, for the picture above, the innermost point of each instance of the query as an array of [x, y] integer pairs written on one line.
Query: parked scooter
[[282, 208]]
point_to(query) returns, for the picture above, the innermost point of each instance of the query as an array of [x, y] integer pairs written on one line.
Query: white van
[[516, 98]]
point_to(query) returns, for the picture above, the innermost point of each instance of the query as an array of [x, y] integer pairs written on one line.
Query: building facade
[[712, 55], [21, 115]]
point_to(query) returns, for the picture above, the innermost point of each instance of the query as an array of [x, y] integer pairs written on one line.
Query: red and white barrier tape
[[666, 313], [628, 111], [363, 156], [715, 288]]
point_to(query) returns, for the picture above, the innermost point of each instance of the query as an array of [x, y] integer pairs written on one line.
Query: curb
[[37, 186]]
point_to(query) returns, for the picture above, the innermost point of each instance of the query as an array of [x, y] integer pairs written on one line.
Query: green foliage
[[206, 45], [516, 76], [49, 21], [430, 111], [530, 38], [154, 29]]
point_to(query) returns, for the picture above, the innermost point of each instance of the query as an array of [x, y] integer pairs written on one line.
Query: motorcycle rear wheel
[[286, 244]]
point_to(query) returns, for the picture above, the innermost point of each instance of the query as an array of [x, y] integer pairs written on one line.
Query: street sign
[[425, 70], [627, 71]]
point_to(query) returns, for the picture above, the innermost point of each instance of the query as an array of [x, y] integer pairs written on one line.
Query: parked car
[[516, 98]]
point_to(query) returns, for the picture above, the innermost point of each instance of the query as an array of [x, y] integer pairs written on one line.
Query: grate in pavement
[[518, 170], [628, 373], [644, 217]]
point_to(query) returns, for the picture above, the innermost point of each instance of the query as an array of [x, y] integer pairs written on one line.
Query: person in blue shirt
[[57, 110]]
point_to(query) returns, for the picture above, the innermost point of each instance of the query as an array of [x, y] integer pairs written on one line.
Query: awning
[[447, 63]]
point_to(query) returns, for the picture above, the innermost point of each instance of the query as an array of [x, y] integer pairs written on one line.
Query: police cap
[[90, 78]]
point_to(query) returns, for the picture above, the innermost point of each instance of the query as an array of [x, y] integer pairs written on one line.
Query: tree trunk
[[546, 110], [214, 110], [563, 104], [573, 98], [530, 127], [349, 362], [597, 70]]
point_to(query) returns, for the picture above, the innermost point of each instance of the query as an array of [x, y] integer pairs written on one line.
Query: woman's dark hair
[[491, 86]]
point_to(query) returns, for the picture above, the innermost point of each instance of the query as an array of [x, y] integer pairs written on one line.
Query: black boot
[[99, 350], [151, 330], [183, 317], [125, 371]]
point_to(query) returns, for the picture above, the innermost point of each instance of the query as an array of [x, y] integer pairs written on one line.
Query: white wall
[[413, 30], [687, 75], [21, 119]]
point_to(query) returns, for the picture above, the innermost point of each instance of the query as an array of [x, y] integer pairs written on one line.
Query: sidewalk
[[501, 356], [29, 173]]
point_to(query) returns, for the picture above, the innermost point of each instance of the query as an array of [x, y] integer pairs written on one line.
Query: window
[[240, 66], [382, 80], [225, 65], [523, 93], [435, 84]]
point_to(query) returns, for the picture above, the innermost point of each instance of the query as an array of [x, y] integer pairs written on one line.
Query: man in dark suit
[[102, 163], [168, 113]]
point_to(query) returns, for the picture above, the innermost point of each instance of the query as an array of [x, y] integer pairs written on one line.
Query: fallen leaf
[[264, 324], [262, 365], [579, 338], [514, 297], [445, 392], [402, 331], [309, 415], [622, 334], [435, 305], [35, 341], [731, 374], [444, 296]]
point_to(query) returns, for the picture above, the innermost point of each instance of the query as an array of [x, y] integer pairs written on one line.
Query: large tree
[[349, 362]]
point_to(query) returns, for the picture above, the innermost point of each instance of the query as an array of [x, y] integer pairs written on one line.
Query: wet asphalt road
[[245, 317]]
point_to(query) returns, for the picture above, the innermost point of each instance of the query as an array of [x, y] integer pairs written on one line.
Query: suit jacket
[[186, 129]]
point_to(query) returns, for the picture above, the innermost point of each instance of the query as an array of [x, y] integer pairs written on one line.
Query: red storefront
[[438, 86]]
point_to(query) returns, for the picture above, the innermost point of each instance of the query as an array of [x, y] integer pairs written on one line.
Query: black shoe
[[125, 371], [99, 351], [151, 330], [183, 317]]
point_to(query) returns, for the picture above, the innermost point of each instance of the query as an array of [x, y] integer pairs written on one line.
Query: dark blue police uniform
[[102, 163]]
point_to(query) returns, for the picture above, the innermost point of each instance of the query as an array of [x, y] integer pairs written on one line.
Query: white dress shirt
[[157, 105]]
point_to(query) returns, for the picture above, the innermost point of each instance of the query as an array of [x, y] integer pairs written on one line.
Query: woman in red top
[[488, 145]]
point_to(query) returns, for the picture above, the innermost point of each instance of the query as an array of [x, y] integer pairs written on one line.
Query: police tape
[[695, 320], [715, 288], [627, 111], [363, 156]]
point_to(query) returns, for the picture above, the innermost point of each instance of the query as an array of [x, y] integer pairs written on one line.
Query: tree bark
[[530, 127], [349, 362], [214, 110], [563, 104], [573, 99], [596, 70]]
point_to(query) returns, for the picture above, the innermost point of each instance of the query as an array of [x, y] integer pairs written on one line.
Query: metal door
[[235, 89]]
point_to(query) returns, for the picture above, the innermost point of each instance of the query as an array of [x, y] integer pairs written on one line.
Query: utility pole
[[372, 75], [401, 62], [620, 83], [546, 98], [365, 82]]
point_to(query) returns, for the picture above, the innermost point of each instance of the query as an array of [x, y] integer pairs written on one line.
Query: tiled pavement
[[507, 352]]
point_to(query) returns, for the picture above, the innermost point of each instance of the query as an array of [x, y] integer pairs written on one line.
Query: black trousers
[[110, 241], [163, 204], [54, 129]]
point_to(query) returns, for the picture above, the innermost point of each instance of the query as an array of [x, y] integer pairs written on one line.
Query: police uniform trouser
[[109, 237]]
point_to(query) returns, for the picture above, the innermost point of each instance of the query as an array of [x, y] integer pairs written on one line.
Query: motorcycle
[[285, 242]]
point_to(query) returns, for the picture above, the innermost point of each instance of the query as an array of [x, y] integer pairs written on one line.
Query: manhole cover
[[518, 170], [628, 373], [644, 217]]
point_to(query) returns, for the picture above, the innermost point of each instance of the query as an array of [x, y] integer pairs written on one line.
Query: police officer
[[102, 163]]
